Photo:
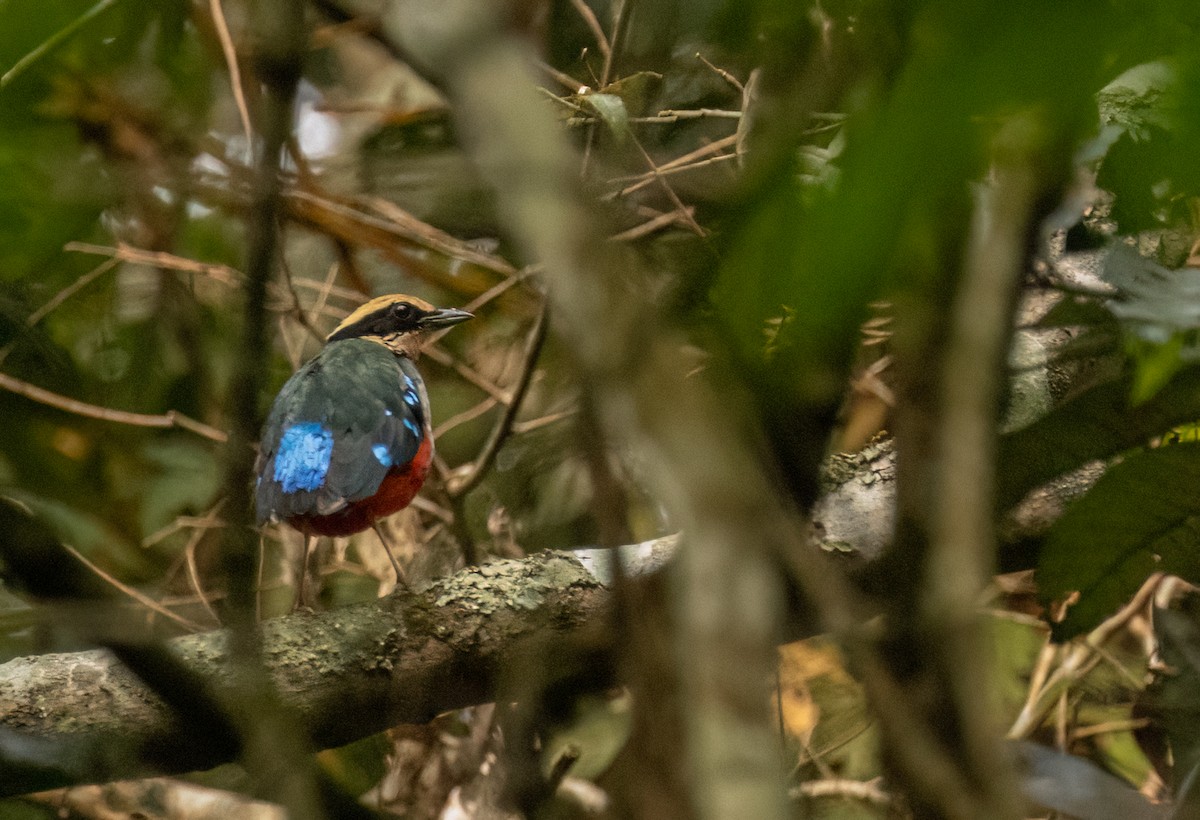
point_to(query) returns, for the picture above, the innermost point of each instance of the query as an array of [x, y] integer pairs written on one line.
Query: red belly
[[396, 492]]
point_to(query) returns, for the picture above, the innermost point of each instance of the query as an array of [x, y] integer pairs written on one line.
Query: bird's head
[[396, 321]]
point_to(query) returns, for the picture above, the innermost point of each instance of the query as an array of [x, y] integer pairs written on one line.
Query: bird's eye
[[402, 310]]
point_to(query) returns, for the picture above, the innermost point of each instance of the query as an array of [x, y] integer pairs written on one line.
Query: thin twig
[[1081, 657], [523, 427], [445, 359], [79, 408], [436, 510], [670, 192], [867, 791], [677, 169], [649, 227], [649, 177], [200, 527], [193, 572], [436, 239], [297, 311], [589, 19], [55, 40], [667, 116], [1112, 726], [722, 73], [184, 522], [69, 291], [329, 289], [620, 19], [235, 73], [140, 597], [465, 416], [397, 223], [565, 80], [458, 487], [159, 259]]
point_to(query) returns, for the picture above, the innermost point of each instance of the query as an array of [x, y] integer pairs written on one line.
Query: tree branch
[[346, 674]]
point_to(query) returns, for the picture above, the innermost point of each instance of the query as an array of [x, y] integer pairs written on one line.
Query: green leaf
[[1154, 365], [611, 109], [1096, 424], [1142, 516], [635, 90]]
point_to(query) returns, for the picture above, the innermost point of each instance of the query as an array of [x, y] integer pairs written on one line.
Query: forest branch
[[343, 674]]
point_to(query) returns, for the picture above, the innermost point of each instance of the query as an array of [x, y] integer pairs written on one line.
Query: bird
[[348, 439]]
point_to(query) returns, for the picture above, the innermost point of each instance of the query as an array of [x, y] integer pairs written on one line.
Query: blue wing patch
[[303, 457], [382, 455]]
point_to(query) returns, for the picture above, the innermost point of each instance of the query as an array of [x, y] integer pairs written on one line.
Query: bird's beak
[[445, 317]]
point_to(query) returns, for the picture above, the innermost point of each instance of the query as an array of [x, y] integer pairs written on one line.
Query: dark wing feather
[[372, 406]]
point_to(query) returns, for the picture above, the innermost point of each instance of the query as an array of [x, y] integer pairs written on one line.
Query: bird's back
[[345, 420]]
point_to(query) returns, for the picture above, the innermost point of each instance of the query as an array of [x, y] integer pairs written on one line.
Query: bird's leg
[[309, 541], [400, 579]]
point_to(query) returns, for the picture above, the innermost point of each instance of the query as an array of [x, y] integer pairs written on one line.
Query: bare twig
[[235, 73], [678, 169], [140, 597], [159, 259], [459, 486], [200, 527], [589, 18], [471, 375], [79, 408], [297, 311], [437, 239], [185, 522], [522, 427], [620, 17], [620, 20], [1079, 659], [55, 40], [722, 73], [651, 176], [670, 192], [668, 116], [961, 536], [465, 416], [328, 289], [69, 291], [565, 80], [1110, 727], [274, 748], [193, 572], [868, 791], [652, 225]]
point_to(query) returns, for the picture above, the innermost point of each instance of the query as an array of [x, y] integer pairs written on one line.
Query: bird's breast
[[396, 491]]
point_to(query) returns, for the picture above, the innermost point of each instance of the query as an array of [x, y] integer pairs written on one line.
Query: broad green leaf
[[635, 90], [1097, 424], [1154, 365], [611, 109], [1142, 516]]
